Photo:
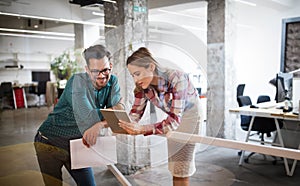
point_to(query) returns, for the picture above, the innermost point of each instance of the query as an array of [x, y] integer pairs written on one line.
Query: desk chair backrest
[[6, 88], [245, 120], [240, 90], [7, 93], [42, 86], [263, 98]]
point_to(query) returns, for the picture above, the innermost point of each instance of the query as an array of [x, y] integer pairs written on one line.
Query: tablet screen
[[113, 116]]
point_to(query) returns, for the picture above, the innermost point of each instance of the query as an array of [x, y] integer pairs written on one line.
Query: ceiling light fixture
[[180, 14], [98, 14], [37, 32], [245, 2], [38, 36], [56, 19], [109, 1], [194, 28], [164, 32]]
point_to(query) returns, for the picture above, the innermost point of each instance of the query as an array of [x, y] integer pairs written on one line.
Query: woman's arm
[[180, 86]]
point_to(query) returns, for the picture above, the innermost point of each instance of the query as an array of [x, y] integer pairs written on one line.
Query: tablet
[[112, 117]]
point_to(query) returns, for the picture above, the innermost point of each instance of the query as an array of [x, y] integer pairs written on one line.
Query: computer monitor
[[40, 76], [284, 87]]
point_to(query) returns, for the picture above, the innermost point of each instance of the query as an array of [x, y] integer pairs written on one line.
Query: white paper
[[102, 153]]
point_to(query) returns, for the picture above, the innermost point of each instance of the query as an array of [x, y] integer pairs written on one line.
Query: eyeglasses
[[96, 72]]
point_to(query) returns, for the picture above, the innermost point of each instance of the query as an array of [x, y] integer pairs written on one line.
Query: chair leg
[[240, 153], [246, 160]]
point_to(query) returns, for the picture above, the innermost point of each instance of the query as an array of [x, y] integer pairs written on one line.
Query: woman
[[172, 92]]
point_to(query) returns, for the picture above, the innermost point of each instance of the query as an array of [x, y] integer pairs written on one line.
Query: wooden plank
[[263, 149], [118, 175]]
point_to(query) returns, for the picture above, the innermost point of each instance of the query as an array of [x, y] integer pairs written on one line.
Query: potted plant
[[64, 66]]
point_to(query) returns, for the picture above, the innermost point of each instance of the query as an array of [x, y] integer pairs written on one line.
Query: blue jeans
[[51, 159]]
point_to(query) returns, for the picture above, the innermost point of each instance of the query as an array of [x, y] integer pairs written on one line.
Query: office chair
[[240, 90], [260, 124], [7, 96], [41, 89], [245, 120], [263, 98]]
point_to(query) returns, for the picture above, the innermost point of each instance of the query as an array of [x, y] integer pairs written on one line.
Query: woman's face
[[142, 76], [99, 71]]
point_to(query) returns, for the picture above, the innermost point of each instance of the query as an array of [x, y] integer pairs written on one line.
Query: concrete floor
[[215, 166]]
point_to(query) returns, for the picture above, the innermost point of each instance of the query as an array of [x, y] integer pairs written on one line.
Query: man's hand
[[91, 134]]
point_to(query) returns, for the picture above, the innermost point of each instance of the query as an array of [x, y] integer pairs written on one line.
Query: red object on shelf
[[19, 98], [202, 96]]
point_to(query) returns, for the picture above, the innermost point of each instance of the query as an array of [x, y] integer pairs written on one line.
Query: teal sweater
[[78, 109]]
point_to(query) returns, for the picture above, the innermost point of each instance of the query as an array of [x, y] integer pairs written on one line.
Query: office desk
[[270, 113]]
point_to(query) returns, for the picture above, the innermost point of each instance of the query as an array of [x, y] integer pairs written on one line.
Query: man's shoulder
[[113, 78]]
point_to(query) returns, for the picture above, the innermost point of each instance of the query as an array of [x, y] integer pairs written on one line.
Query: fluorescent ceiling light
[[37, 32], [109, 1], [56, 19], [193, 27], [245, 2], [98, 14], [180, 14], [164, 32], [38, 36]]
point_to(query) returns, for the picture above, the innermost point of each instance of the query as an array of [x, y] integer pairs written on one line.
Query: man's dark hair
[[96, 52]]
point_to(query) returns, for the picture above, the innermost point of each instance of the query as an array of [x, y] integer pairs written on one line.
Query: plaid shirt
[[173, 94]]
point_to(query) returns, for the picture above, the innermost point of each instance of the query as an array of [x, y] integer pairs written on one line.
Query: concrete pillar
[[220, 71], [128, 31], [85, 36], [79, 37]]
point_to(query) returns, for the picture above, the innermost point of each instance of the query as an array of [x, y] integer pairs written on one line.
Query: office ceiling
[[172, 8], [55, 25]]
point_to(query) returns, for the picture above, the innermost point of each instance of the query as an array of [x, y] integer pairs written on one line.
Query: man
[[77, 115]]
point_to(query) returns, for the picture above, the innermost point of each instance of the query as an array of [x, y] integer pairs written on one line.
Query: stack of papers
[[101, 154], [266, 105]]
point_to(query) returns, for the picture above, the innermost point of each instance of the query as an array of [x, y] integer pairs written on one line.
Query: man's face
[[99, 71]]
